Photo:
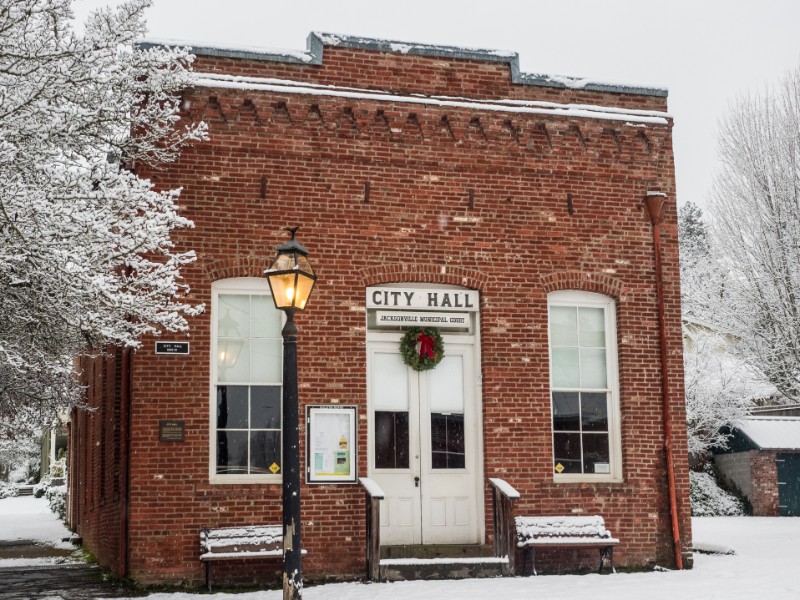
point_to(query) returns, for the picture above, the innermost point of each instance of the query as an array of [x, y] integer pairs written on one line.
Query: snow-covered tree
[[755, 226], [719, 385], [86, 257]]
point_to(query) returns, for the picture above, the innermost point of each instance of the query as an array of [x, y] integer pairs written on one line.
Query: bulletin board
[[331, 444]]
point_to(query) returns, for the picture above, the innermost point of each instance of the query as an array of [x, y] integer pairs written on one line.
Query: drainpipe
[[655, 202]]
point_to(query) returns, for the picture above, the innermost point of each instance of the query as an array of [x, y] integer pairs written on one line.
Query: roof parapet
[[317, 40]]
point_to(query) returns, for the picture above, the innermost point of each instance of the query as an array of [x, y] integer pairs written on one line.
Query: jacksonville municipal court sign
[[421, 307]]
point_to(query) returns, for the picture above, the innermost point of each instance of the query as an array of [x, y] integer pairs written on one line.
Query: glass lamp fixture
[[290, 275]]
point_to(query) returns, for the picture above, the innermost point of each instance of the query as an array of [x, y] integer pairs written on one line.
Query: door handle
[[416, 481]]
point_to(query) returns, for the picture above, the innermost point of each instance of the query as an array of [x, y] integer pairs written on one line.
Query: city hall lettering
[[429, 299]]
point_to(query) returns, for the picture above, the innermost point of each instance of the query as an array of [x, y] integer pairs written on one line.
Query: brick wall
[[514, 205], [764, 470]]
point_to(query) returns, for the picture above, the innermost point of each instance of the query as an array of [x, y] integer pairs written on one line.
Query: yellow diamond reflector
[[274, 468], [559, 468]]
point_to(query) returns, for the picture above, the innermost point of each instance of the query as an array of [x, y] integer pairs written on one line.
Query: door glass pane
[[389, 381], [565, 367], [593, 367], [446, 385], [565, 411], [563, 326], [265, 407], [233, 318], [232, 407], [231, 452], [265, 450], [266, 320], [567, 452], [233, 362], [391, 440], [266, 363], [592, 327], [594, 411], [447, 441]]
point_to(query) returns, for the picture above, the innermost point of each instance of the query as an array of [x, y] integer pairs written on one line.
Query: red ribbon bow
[[425, 345]]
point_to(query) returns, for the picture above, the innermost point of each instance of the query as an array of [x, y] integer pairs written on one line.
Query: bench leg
[[532, 553], [208, 577], [607, 553]]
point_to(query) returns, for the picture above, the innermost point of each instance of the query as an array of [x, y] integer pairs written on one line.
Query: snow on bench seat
[[233, 543], [557, 531]]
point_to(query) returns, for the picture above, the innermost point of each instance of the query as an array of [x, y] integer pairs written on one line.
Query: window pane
[[233, 360], [565, 411], [266, 361], [447, 441], [595, 453], [593, 368], [567, 452], [265, 450], [231, 452], [447, 385], [265, 407], [563, 326], [565, 367], [594, 411], [265, 320], [232, 407], [592, 327], [389, 381], [233, 316], [391, 440]]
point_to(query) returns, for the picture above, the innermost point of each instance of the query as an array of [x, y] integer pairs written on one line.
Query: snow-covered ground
[[762, 568], [29, 518]]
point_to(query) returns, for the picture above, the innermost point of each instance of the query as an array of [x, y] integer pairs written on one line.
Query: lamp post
[[291, 280]]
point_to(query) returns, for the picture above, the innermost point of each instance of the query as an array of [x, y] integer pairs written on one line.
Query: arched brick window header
[[599, 283], [425, 274], [246, 266]]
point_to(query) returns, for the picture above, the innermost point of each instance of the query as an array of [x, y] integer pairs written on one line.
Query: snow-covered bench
[[564, 532], [232, 543]]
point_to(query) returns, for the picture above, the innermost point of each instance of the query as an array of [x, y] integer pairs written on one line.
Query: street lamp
[[291, 280]]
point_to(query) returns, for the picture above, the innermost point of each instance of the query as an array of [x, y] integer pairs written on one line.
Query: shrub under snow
[[710, 500]]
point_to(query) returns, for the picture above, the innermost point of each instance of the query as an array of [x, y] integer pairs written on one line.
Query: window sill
[[244, 479], [559, 479]]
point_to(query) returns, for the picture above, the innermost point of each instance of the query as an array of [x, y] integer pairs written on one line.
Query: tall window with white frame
[[246, 382], [584, 386]]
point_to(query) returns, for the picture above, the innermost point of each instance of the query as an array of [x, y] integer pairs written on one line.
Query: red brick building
[[429, 182]]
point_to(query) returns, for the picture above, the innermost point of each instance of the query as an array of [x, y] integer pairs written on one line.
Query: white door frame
[[393, 506]]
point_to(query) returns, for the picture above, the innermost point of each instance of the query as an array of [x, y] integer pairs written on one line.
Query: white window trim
[[243, 285], [590, 299]]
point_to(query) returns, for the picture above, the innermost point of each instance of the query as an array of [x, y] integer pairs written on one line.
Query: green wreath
[[422, 348]]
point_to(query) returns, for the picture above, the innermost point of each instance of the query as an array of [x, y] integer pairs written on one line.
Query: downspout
[[655, 202]]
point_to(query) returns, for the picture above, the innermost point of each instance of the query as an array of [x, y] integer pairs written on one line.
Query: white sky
[[706, 52]]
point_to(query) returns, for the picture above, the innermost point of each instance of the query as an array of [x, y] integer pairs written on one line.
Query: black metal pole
[[292, 567]]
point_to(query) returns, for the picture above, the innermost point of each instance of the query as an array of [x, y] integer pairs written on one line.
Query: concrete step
[[411, 569], [439, 561]]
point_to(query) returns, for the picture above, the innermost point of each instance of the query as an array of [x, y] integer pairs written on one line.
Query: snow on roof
[[317, 40], [284, 86], [771, 433]]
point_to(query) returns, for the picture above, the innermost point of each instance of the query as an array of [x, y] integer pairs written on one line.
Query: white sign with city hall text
[[422, 299], [408, 318]]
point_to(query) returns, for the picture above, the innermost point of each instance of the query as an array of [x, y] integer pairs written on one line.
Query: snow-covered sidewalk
[[25, 518]]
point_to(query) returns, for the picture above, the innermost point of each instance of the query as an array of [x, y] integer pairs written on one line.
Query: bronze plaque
[[171, 431]]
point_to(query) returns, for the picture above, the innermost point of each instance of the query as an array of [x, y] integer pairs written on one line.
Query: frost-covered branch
[[86, 256]]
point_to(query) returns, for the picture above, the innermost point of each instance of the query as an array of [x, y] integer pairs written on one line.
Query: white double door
[[424, 448]]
